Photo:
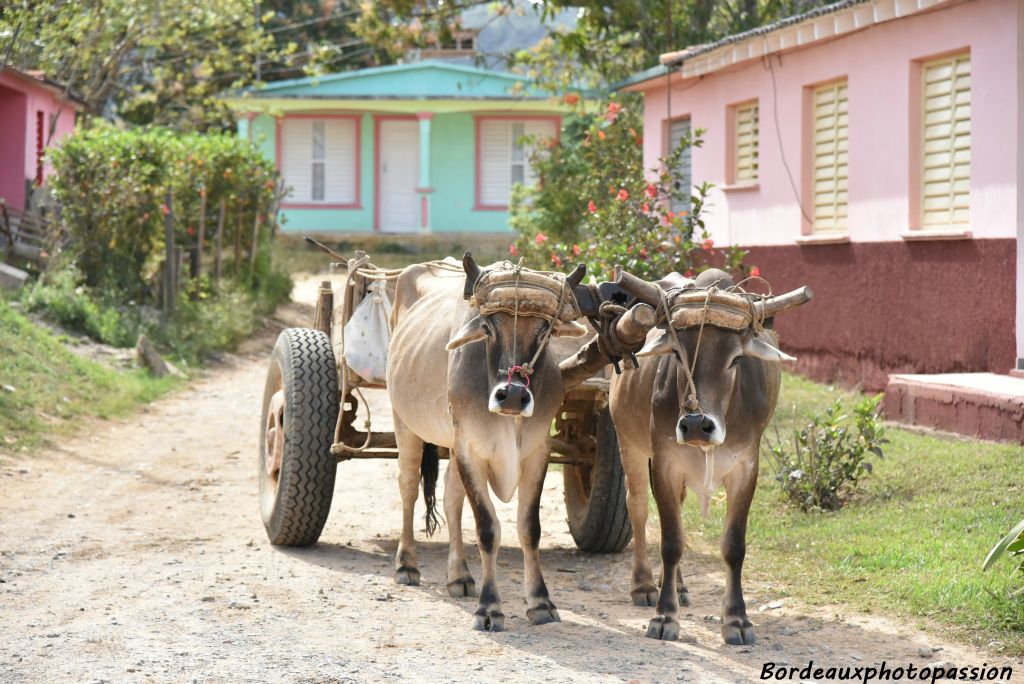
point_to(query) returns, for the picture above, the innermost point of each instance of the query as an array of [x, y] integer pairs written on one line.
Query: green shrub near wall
[[111, 185]]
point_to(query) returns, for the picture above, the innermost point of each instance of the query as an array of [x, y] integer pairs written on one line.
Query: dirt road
[[135, 553]]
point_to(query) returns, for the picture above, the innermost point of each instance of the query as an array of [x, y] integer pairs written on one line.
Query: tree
[[148, 61]]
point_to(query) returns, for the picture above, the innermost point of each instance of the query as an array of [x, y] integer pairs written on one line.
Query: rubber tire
[[296, 514], [600, 524]]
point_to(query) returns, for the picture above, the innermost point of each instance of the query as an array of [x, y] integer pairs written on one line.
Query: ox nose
[[512, 399], [698, 428]]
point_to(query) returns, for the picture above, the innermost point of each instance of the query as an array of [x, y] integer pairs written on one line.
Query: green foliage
[[1011, 545], [112, 186], [827, 457], [209, 318], [593, 203], [51, 385], [154, 61]]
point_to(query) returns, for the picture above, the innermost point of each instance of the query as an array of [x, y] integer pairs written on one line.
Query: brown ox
[[696, 434], [455, 380]]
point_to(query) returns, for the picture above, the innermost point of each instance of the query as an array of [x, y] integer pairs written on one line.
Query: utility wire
[[767, 63]]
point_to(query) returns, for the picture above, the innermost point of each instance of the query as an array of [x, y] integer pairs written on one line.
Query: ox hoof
[[464, 586], [543, 613], [407, 575], [488, 620], [737, 631], [645, 596], [663, 627]]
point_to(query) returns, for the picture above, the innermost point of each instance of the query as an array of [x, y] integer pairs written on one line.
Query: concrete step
[[982, 405]]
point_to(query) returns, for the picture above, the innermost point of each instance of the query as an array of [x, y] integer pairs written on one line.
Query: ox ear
[[756, 347], [658, 344], [472, 331], [568, 329]]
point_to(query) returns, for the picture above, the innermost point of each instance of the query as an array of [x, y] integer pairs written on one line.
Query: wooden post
[[219, 242], [253, 247], [202, 232], [238, 242], [170, 262]]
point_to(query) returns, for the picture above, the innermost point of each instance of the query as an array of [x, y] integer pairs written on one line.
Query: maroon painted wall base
[[968, 412], [896, 307]]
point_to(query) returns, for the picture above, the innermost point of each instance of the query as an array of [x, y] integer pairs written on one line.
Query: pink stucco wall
[[878, 63], [20, 100]]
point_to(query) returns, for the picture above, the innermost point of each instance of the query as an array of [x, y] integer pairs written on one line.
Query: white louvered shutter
[[318, 160], [504, 161], [946, 142], [678, 130], [830, 165], [746, 144]]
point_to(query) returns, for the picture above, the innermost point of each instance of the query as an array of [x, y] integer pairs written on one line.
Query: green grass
[[52, 386], [912, 543]]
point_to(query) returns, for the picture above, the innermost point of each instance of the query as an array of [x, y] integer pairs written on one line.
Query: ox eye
[[487, 330], [735, 361]]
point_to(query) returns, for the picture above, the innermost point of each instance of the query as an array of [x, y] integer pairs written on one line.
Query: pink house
[[28, 105], [873, 150]]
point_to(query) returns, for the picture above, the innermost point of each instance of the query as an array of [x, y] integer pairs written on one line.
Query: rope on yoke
[[525, 370]]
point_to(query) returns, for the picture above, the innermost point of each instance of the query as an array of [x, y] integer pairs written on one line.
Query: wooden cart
[[309, 426]]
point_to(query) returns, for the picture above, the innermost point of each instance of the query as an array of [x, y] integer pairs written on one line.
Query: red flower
[[191, 231], [613, 111], [541, 238], [629, 250], [708, 244], [556, 260], [571, 99], [755, 272], [643, 253], [645, 207], [512, 249], [688, 274], [623, 195], [633, 133], [639, 140], [165, 209], [575, 250], [669, 215], [600, 134], [651, 191], [591, 206]]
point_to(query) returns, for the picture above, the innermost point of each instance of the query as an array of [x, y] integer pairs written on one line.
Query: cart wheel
[[595, 496], [300, 407]]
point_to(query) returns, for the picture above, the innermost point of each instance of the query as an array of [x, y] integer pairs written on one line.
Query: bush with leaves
[[112, 185], [820, 469], [593, 203], [1011, 545]]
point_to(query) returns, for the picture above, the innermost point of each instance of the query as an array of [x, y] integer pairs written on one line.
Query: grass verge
[[51, 385], [910, 546]]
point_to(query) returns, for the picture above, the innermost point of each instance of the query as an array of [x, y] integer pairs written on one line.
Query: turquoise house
[[425, 147]]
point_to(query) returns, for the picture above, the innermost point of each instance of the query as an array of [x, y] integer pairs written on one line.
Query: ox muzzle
[[700, 429], [511, 398]]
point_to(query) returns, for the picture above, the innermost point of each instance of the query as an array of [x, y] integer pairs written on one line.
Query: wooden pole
[[219, 242], [238, 242], [202, 233], [254, 245], [170, 262]]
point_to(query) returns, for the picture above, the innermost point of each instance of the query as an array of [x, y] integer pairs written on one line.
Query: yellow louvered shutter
[[831, 146], [946, 142], [746, 144]]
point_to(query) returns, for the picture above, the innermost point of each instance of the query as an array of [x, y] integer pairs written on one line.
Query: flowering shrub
[[594, 204]]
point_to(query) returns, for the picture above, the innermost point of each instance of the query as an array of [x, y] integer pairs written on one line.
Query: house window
[[745, 144], [945, 142], [504, 157], [319, 160], [683, 176], [829, 159]]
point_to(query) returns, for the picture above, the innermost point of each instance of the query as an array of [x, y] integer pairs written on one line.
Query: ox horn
[[639, 288], [472, 274], [776, 305], [576, 277]]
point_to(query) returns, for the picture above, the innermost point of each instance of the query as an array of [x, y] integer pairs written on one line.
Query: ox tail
[[429, 467]]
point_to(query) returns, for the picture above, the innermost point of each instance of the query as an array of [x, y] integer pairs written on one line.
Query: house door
[[398, 173]]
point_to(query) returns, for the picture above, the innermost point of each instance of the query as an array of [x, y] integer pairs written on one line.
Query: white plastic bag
[[368, 334]]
